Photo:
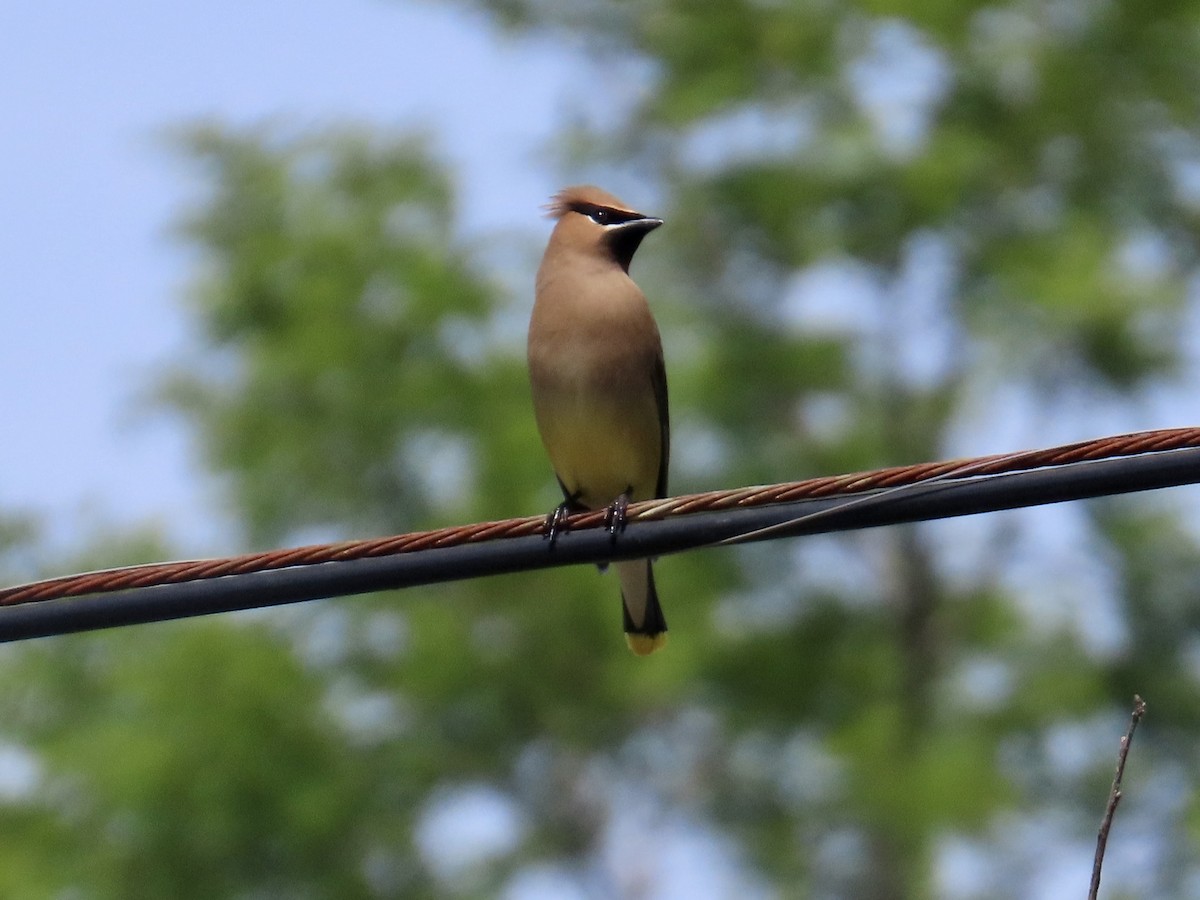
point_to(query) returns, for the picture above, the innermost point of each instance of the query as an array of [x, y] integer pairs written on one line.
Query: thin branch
[[1114, 795]]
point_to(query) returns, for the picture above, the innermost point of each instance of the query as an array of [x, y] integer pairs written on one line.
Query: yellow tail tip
[[645, 644]]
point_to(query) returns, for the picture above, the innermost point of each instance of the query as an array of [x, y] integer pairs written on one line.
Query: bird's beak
[[643, 225]]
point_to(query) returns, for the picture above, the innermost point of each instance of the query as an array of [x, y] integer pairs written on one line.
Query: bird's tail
[[645, 624]]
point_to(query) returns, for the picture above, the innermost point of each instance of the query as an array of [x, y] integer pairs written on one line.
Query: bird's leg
[[556, 521], [617, 513]]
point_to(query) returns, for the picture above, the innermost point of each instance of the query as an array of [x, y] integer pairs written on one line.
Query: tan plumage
[[598, 381]]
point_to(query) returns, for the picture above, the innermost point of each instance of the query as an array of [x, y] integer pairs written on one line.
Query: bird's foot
[[556, 521], [617, 515]]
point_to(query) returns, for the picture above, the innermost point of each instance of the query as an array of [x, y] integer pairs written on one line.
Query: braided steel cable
[[905, 493]]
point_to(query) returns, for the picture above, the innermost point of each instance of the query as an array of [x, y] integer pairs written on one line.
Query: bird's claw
[[556, 521], [617, 515]]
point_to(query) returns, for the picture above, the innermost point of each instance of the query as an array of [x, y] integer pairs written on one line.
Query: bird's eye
[[604, 215]]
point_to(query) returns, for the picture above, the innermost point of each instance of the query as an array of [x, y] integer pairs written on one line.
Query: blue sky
[[90, 277]]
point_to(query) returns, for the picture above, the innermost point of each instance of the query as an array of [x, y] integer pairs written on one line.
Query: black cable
[[936, 500]]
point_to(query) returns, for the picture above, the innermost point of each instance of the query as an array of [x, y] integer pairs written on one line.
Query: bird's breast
[[595, 405]]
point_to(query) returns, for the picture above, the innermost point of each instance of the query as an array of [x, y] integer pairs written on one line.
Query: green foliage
[[333, 278], [184, 761]]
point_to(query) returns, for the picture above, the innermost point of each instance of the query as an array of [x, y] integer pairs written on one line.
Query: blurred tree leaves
[[193, 762], [883, 221], [333, 277]]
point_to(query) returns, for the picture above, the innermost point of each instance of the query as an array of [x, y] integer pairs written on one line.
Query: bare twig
[[1114, 795]]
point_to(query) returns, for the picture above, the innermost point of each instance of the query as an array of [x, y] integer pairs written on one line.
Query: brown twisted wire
[[108, 580]]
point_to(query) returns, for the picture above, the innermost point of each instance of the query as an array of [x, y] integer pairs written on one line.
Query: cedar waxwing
[[599, 385]]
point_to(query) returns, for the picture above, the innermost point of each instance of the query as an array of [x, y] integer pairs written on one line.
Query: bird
[[599, 383]]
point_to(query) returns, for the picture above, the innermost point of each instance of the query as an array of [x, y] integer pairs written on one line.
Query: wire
[[138, 594], [839, 485]]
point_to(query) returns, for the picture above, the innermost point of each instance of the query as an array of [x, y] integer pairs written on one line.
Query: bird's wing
[[659, 380]]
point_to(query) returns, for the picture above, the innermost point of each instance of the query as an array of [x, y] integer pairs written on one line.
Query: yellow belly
[[601, 447]]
